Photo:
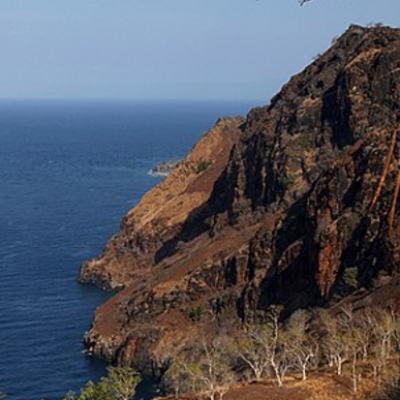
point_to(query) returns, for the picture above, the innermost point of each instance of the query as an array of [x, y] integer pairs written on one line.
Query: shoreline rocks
[[164, 168]]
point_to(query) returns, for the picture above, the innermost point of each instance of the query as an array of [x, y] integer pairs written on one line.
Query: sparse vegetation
[[362, 345], [374, 25], [357, 346], [210, 373], [317, 56], [287, 182], [304, 140], [335, 40], [203, 165], [350, 277], [119, 384], [197, 314]]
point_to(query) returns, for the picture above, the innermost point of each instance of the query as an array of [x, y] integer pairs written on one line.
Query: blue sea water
[[68, 173]]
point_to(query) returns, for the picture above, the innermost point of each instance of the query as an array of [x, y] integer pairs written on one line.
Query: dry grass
[[321, 385], [318, 387]]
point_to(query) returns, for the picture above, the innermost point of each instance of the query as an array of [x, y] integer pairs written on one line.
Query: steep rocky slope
[[290, 211], [161, 213]]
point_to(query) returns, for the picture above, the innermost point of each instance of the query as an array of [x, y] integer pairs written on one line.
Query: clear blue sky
[[168, 49]]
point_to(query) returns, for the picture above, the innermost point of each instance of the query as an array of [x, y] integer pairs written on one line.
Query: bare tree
[[366, 329], [335, 345], [178, 377], [212, 372], [300, 343], [350, 334], [281, 363], [270, 340], [386, 331], [252, 349]]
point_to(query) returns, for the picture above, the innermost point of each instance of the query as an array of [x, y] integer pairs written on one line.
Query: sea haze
[[68, 173]]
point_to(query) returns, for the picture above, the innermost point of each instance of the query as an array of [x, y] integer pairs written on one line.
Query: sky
[[168, 49]]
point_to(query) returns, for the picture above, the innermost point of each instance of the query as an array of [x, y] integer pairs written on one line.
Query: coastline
[[164, 168]]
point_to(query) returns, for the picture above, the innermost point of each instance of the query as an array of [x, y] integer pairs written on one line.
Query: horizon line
[[133, 99]]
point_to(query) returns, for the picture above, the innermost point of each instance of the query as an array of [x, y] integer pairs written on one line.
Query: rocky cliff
[[296, 205], [162, 212]]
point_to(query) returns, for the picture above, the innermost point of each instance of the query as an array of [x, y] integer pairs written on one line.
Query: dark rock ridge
[[164, 168], [284, 214]]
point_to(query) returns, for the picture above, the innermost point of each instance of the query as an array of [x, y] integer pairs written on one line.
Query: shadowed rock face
[[281, 215]]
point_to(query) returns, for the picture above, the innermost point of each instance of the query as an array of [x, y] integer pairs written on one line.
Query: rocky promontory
[[296, 205], [164, 168], [162, 213]]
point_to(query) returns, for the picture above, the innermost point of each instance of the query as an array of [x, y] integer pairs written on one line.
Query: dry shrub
[[388, 391]]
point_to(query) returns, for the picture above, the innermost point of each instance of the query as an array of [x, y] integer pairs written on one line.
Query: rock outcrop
[[285, 208], [164, 168]]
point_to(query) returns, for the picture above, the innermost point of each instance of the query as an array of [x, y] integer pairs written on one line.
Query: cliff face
[[163, 211], [288, 212]]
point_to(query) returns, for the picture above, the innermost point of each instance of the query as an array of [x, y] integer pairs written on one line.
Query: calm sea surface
[[68, 173]]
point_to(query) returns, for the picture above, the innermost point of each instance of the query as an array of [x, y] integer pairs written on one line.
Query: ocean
[[69, 171]]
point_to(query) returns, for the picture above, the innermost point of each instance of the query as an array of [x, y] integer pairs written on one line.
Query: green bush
[[197, 314], [287, 182], [203, 165], [350, 277], [119, 384]]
